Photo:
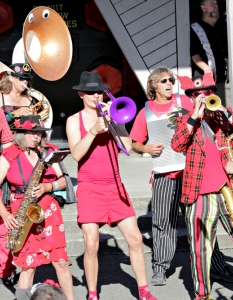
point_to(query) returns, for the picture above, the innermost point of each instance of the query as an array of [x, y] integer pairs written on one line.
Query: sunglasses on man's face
[[93, 92], [171, 79], [203, 92]]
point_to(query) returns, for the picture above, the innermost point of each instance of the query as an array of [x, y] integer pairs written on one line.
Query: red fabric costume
[[5, 132], [102, 197], [46, 240]]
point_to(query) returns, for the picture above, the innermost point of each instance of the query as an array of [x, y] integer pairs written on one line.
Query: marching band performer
[[45, 241], [14, 99], [102, 198], [202, 134]]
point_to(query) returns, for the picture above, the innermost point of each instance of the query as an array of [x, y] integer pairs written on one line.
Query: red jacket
[[192, 144]]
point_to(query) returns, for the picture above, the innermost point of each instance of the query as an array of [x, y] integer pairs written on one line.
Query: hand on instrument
[[39, 190], [229, 167], [22, 111], [10, 221], [105, 109], [154, 149], [100, 126], [199, 107]]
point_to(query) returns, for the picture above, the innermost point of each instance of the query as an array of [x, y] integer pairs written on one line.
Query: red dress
[[46, 240]]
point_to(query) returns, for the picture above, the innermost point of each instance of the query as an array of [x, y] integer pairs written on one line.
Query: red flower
[[17, 123], [28, 125]]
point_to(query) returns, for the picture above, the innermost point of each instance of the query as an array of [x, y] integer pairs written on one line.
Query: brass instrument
[[226, 190], [213, 102], [42, 107], [28, 213]]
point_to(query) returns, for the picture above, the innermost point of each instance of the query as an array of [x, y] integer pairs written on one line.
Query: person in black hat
[[202, 134], [45, 242], [102, 198], [14, 99]]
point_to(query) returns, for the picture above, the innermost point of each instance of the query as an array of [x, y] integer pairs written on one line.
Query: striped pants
[[165, 211], [201, 219], [166, 195]]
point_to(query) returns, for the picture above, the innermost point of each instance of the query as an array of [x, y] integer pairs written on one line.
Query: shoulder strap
[[21, 172], [200, 32], [3, 101], [178, 100]]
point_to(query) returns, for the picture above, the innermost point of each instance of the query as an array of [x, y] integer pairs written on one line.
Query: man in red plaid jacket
[[202, 135]]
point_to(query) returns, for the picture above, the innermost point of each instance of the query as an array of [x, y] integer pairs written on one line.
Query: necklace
[[16, 102]]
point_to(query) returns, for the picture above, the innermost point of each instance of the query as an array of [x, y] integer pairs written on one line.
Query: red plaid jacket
[[5, 132], [192, 144]]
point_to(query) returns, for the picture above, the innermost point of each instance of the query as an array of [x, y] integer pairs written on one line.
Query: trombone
[[122, 110]]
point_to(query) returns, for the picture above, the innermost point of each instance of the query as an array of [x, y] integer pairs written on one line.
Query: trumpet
[[213, 102], [122, 110], [42, 107]]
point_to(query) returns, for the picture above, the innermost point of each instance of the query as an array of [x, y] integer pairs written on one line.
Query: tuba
[[226, 190]]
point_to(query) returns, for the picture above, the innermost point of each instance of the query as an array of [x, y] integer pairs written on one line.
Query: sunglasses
[[171, 79], [23, 78], [204, 92], [93, 92]]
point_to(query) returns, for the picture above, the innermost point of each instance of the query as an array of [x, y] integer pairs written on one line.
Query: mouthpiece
[[25, 86]]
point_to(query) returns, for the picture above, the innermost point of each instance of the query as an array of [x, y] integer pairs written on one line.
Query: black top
[[217, 37]]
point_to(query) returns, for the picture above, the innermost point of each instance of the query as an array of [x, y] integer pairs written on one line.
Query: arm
[[78, 146], [153, 149], [7, 217], [201, 64]]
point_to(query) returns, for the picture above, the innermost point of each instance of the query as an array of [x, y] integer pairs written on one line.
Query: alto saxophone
[[226, 190], [28, 213]]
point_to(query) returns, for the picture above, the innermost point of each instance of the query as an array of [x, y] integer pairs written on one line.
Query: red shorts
[[103, 204]]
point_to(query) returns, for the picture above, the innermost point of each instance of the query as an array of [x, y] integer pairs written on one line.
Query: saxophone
[[28, 212], [226, 190]]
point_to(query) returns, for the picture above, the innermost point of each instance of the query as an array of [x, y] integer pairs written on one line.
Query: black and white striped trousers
[[165, 202]]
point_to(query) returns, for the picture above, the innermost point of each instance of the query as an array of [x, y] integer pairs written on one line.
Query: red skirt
[[103, 203], [45, 241]]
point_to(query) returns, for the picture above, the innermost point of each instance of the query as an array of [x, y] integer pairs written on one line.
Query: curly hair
[[153, 79]]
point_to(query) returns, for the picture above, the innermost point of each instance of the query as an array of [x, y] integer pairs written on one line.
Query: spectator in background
[[209, 49]]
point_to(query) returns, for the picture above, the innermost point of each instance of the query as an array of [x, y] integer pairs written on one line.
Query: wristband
[[192, 122], [11, 116], [55, 185], [92, 132], [228, 114], [8, 118]]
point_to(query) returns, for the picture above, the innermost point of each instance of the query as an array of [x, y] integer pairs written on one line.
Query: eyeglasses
[[93, 92], [171, 79], [203, 92]]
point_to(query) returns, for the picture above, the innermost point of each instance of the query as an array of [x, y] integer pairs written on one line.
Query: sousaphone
[[47, 46]]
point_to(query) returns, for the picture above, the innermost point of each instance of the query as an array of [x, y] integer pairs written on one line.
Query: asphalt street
[[117, 280]]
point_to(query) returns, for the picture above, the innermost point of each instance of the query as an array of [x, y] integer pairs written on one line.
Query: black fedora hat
[[200, 84], [30, 122], [90, 82], [21, 70]]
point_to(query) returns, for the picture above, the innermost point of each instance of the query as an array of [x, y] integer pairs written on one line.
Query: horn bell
[[47, 43], [213, 102], [123, 110]]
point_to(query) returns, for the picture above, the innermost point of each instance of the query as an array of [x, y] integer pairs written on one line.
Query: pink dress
[[46, 240]]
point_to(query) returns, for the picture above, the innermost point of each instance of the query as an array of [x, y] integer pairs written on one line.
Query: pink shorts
[[103, 204]]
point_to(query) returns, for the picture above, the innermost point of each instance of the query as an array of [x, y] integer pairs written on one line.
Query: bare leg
[[26, 278], [133, 237], [64, 277], [91, 242]]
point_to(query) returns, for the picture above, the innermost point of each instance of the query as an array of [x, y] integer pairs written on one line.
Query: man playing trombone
[[102, 198]]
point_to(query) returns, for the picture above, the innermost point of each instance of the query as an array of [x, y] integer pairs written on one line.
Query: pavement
[[116, 279]]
